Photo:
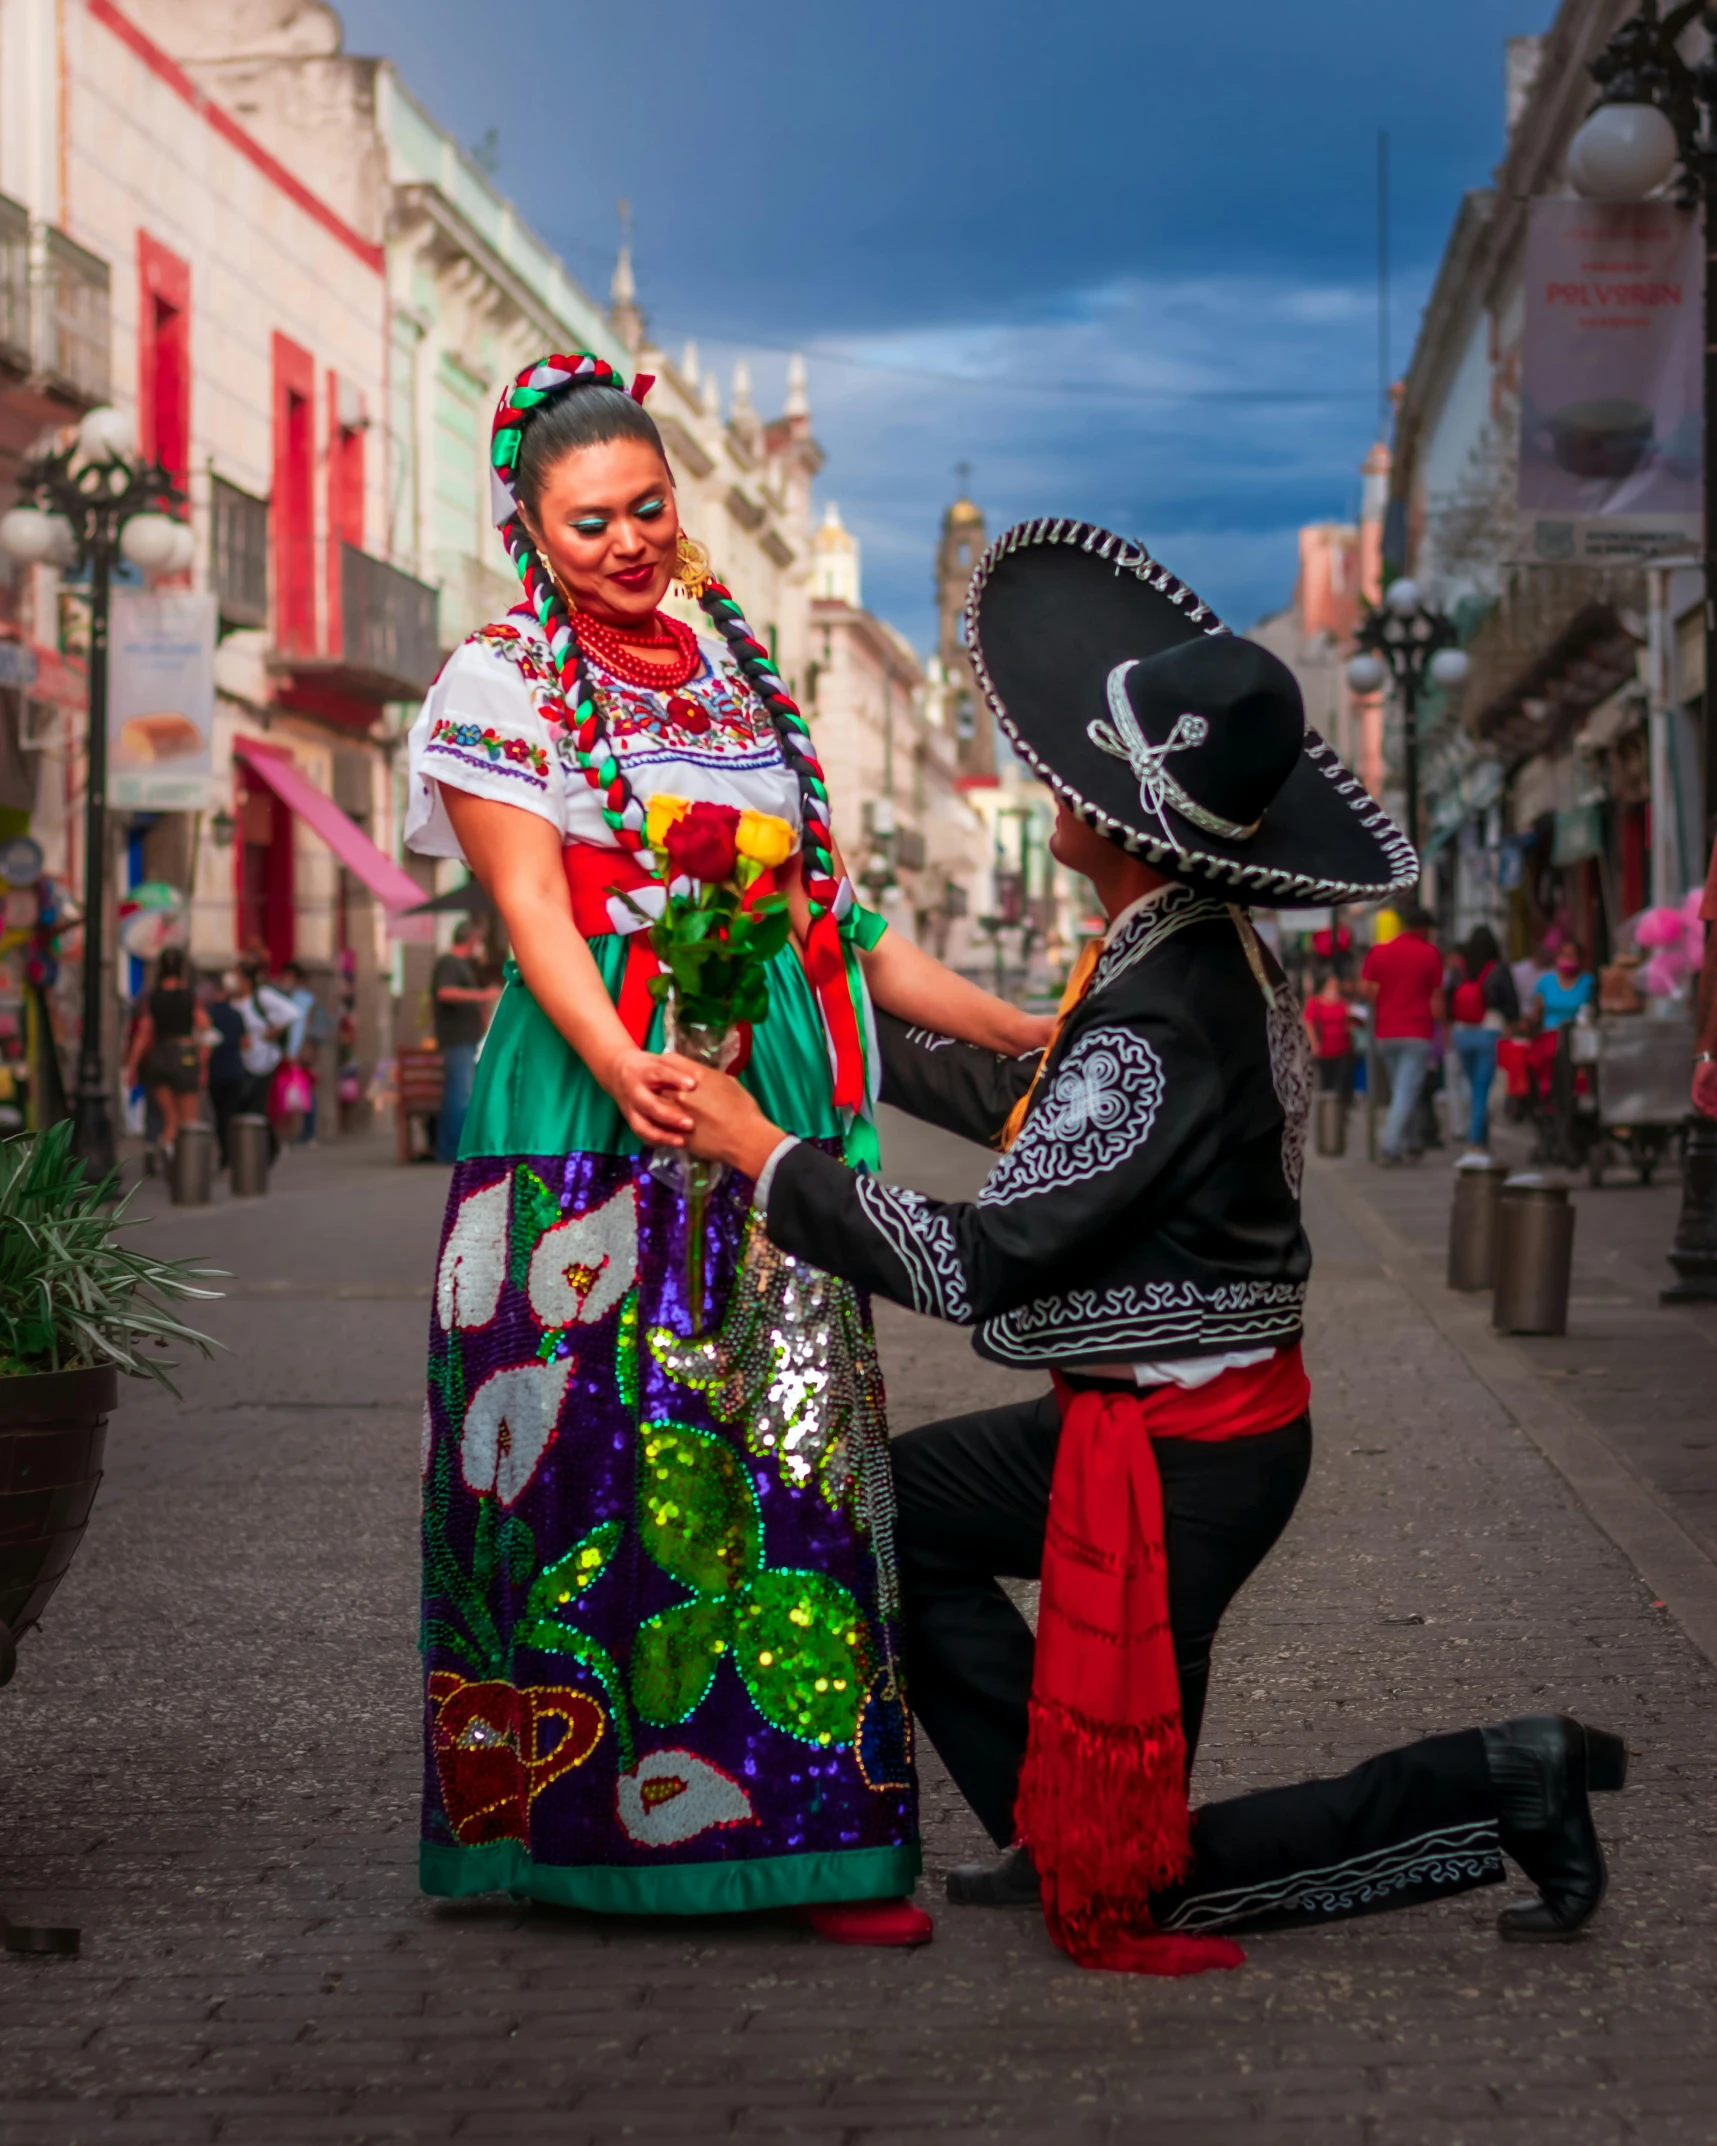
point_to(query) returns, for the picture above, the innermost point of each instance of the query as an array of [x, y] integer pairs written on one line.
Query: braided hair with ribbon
[[576, 399]]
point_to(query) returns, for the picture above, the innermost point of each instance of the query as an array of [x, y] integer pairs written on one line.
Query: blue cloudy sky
[[1118, 255]]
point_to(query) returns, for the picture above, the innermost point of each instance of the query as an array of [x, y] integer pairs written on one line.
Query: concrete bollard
[[1534, 1258], [193, 1166], [1472, 1225], [247, 1155], [1332, 1124]]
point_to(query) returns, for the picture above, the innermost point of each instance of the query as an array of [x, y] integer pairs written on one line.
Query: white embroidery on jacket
[[1143, 933], [1292, 1073], [1100, 1108], [923, 1242], [1145, 1321], [927, 1039]]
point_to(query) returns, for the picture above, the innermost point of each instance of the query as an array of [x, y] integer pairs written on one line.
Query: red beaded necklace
[[613, 646]]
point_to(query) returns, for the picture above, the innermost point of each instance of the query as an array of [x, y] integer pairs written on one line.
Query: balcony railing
[[75, 319], [389, 621], [14, 285], [238, 553]]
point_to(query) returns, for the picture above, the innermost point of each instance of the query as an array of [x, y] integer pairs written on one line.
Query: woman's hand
[[727, 1125], [648, 1090]]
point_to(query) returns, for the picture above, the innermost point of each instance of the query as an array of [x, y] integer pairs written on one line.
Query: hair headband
[[524, 396]]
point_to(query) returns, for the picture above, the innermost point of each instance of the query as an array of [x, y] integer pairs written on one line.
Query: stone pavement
[[209, 1759]]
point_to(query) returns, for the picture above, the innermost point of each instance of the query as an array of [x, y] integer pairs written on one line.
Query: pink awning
[[391, 884]]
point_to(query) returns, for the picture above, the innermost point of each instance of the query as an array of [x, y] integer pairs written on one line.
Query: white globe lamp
[[1622, 153], [1402, 597], [63, 541], [27, 535], [151, 542], [1366, 673], [184, 548], [105, 434], [1449, 668]]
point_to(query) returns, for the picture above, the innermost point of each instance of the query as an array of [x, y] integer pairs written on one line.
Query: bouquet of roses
[[715, 936]]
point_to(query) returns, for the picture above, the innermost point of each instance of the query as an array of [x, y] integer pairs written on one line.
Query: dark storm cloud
[[1121, 258]]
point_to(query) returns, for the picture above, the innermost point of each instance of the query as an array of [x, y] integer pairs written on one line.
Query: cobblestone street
[[210, 1757]]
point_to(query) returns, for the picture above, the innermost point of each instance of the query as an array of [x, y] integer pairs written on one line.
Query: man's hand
[[650, 1090], [1705, 1089], [727, 1125]]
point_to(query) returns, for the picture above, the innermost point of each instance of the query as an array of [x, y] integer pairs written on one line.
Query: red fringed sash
[[1102, 1796]]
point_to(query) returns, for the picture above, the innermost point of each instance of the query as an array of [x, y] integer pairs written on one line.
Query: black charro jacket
[[1149, 1209]]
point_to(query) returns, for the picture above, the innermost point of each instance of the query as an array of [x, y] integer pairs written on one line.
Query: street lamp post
[[94, 502], [1406, 641], [1654, 110]]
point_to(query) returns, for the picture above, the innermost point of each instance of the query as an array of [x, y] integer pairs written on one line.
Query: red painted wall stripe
[[158, 63]]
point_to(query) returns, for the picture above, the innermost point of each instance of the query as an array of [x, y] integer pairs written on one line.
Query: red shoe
[[870, 1922]]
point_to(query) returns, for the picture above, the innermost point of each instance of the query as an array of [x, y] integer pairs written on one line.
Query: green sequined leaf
[[559, 1585], [545, 1636], [518, 1547], [626, 1353], [483, 1549], [697, 1511], [437, 1632], [535, 1209], [803, 1647], [675, 1658]]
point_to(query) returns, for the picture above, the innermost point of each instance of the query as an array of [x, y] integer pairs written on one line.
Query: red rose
[[703, 844]]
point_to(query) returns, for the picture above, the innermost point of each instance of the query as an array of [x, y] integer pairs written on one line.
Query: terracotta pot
[[53, 1433]]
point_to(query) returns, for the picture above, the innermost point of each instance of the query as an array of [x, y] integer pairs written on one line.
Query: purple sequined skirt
[[660, 1626]]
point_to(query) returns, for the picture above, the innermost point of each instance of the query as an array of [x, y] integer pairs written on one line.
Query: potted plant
[[77, 1307]]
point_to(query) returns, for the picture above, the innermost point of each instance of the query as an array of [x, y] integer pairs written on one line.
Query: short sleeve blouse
[[490, 726]]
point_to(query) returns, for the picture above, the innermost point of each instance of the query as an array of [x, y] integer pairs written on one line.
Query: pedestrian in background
[[462, 1007], [268, 1016], [1404, 982], [1329, 1020], [1482, 1004], [1568, 988], [165, 1055], [229, 1083]]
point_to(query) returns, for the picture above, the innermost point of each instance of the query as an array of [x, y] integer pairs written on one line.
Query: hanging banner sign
[[1610, 391], [161, 699]]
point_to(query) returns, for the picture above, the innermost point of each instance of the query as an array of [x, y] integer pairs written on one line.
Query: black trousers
[[973, 1502]]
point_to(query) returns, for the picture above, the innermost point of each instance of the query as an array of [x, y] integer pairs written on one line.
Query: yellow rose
[[660, 814], [764, 839]]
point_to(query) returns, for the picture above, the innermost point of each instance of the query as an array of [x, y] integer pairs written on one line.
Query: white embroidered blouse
[[481, 729]]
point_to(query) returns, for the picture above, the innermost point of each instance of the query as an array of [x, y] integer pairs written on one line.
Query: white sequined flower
[[509, 1424], [474, 1260], [582, 1267], [672, 1796]]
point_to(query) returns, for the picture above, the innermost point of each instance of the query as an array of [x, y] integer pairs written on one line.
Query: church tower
[[957, 556]]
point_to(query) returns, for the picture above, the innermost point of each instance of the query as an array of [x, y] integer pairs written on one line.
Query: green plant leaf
[[437, 1632], [697, 1511], [675, 1658], [559, 1585], [446, 1579], [535, 1209], [483, 1545], [802, 1645]]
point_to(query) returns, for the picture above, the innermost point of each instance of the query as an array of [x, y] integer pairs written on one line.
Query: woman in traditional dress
[[660, 1614]]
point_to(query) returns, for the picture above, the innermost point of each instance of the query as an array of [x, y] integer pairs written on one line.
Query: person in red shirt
[[1329, 1020], [1404, 982]]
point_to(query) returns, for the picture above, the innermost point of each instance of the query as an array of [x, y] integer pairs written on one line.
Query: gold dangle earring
[[692, 569]]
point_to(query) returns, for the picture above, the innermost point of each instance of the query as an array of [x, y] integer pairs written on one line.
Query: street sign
[[161, 699]]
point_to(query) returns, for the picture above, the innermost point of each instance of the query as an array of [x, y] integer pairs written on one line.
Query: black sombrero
[[1163, 730]]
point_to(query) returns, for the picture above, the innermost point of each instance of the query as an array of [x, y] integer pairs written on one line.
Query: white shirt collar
[[1132, 909]]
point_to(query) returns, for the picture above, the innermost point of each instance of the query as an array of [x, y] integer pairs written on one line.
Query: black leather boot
[[1543, 1768], [1009, 1882]]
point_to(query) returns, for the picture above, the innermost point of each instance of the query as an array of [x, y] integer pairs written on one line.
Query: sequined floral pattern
[[692, 1539]]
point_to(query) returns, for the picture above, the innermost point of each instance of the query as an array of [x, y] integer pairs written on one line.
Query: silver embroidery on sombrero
[[1158, 789]]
